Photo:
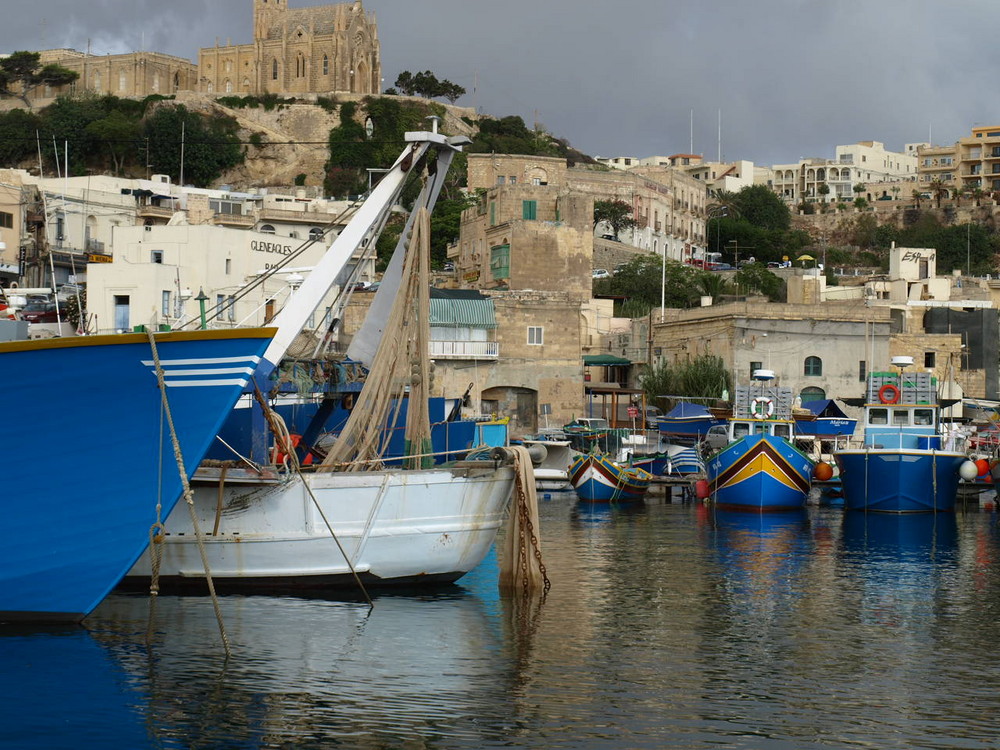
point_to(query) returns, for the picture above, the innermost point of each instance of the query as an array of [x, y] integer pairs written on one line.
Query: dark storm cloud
[[786, 78]]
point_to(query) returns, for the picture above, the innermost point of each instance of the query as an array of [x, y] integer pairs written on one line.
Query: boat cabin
[[901, 426], [721, 435]]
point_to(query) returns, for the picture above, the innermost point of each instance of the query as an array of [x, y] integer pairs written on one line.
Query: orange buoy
[[983, 467], [279, 455], [701, 489], [823, 471]]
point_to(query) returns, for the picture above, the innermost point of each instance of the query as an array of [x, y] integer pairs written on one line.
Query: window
[[501, 179], [316, 234], [754, 366], [500, 261], [813, 366], [878, 416], [900, 417], [267, 229], [155, 256], [6, 220], [529, 210], [923, 417], [220, 305], [326, 65], [929, 359], [274, 69], [229, 265], [536, 335], [513, 179], [165, 306], [862, 370], [231, 309], [782, 429], [740, 429], [811, 393]]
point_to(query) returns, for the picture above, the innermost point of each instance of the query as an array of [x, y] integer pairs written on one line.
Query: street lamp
[[716, 214]]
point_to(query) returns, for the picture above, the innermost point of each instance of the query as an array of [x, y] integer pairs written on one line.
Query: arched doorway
[[519, 404]]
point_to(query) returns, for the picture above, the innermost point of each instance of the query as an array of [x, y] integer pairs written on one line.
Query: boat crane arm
[[296, 312]]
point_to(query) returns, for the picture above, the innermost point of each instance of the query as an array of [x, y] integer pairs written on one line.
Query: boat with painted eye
[[756, 465], [598, 479], [904, 463]]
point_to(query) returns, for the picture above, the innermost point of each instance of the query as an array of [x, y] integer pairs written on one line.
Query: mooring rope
[[188, 494]]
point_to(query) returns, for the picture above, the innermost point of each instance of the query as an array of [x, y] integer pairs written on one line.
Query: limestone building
[[297, 51]]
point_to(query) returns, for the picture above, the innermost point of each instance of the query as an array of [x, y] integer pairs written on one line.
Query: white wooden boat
[[391, 527]]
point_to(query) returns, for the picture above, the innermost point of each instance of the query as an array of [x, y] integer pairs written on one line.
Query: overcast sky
[[791, 78]]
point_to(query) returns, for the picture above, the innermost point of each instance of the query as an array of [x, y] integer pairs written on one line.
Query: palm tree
[[978, 194], [957, 193], [916, 197], [939, 190], [725, 204]]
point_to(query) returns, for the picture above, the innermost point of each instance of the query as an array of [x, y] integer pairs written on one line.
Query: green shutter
[[529, 210], [500, 262]]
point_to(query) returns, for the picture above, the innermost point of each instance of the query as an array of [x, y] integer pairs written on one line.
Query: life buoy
[[888, 394], [280, 457], [761, 407]]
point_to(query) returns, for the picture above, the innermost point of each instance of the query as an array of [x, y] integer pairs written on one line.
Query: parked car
[[610, 237], [449, 266], [601, 273], [43, 312]]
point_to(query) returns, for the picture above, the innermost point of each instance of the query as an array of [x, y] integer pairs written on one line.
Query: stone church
[[323, 49], [297, 51]]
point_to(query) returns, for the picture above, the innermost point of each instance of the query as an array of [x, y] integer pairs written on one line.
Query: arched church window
[[274, 69], [326, 65], [229, 86]]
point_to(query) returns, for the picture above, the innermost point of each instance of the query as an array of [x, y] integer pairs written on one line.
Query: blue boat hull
[[760, 472], [76, 519], [899, 480], [598, 479]]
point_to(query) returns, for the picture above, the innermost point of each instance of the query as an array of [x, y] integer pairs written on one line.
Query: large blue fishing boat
[[76, 519], [756, 465], [901, 466]]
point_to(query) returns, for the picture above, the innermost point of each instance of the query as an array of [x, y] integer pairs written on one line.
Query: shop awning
[[604, 360]]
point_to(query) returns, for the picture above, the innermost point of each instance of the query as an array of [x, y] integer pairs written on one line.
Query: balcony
[[154, 212], [234, 220], [465, 349], [299, 217]]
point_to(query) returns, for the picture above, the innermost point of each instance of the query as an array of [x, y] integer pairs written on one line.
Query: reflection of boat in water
[[755, 530], [413, 661], [903, 537], [65, 689]]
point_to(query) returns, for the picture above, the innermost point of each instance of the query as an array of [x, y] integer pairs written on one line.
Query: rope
[[188, 494], [280, 430], [523, 569]]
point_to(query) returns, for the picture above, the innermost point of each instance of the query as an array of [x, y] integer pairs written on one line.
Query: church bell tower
[[265, 15]]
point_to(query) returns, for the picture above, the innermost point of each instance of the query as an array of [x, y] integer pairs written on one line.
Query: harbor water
[[668, 625]]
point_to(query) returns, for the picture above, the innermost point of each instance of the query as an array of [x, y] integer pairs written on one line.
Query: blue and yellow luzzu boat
[[901, 466], [756, 466], [598, 479]]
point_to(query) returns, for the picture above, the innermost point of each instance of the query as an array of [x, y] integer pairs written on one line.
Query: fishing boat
[[361, 511], [598, 479], [901, 465], [551, 456], [823, 418], [756, 466], [687, 419], [68, 541]]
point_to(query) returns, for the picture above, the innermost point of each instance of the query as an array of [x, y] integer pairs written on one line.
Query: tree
[[643, 279], [917, 195], [824, 190], [858, 189], [21, 73], [760, 206], [118, 133], [957, 193], [210, 144], [939, 190], [427, 84], [755, 277], [617, 214]]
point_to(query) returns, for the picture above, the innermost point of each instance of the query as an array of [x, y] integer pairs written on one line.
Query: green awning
[[604, 360], [461, 309]]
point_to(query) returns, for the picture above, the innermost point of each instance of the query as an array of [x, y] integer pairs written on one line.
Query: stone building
[[297, 51], [132, 74]]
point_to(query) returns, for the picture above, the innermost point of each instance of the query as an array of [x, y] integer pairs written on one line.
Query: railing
[[236, 220], [94, 246], [304, 216], [154, 212], [465, 349]]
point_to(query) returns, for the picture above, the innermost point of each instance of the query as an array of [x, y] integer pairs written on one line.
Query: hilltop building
[[326, 48], [866, 163], [970, 164]]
